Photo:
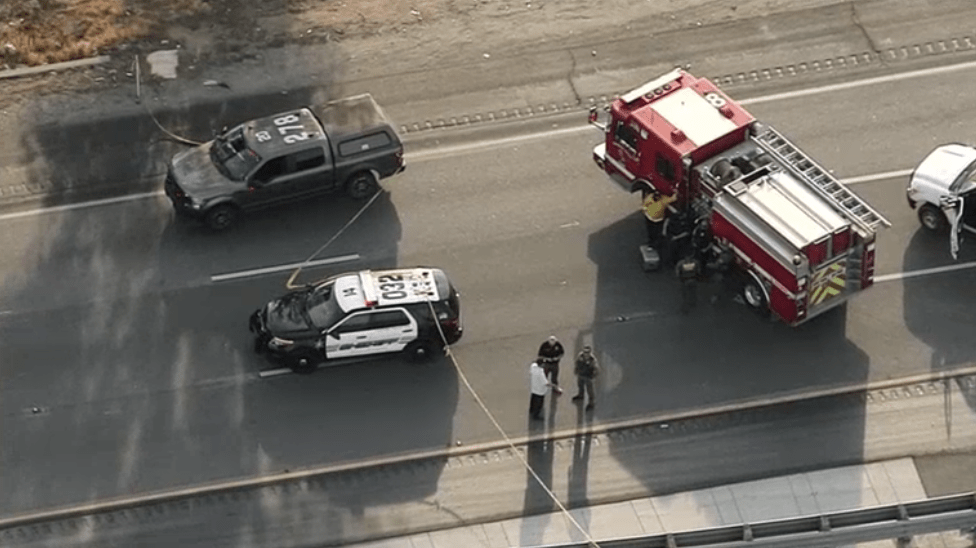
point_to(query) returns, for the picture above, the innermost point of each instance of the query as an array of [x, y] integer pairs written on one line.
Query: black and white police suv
[[411, 310]]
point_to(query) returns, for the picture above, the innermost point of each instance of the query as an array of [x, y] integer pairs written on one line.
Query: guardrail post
[[903, 542]]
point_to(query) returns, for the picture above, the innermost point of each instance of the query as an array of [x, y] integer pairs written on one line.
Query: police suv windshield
[[322, 309], [232, 156]]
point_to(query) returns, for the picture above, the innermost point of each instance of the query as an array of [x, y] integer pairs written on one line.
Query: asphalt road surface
[[583, 466], [128, 369]]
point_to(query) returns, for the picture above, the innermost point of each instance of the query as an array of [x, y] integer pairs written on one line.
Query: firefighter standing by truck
[[655, 207]]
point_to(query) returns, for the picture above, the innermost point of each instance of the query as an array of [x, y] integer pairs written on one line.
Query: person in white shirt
[[539, 385]]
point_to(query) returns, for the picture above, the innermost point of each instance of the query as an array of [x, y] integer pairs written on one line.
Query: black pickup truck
[[346, 145]]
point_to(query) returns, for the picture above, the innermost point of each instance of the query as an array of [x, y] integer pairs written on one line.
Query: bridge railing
[[896, 521]]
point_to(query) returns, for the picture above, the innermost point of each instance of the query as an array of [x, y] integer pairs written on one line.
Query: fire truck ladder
[[822, 181]]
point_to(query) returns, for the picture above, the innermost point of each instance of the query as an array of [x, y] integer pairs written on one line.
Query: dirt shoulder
[[412, 35]]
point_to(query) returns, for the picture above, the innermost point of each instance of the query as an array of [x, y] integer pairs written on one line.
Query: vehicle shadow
[[130, 370], [938, 308], [659, 360], [82, 154]]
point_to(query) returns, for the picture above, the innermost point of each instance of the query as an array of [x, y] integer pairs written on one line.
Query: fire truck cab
[[802, 242]]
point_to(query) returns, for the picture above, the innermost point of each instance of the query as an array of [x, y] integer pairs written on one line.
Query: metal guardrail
[[896, 521]]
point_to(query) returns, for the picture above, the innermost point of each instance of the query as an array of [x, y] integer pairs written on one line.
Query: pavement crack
[[867, 36], [569, 78], [437, 506]]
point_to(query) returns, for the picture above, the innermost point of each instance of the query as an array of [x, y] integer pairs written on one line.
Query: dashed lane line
[[281, 268], [924, 272], [426, 155], [878, 177], [268, 373], [80, 205]]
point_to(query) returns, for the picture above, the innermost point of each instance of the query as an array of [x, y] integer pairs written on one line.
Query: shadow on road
[[539, 456], [939, 308], [577, 493], [129, 370], [655, 358], [89, 153]]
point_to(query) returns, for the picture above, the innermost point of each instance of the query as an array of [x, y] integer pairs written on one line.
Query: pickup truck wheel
[[419, 351], [303, 363], [362, 185], [221, 217], [932, 219]]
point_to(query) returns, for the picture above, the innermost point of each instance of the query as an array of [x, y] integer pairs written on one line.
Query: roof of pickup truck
[[274, 135]]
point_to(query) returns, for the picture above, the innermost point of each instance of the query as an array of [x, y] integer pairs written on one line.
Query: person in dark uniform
[[688, 271], [550, 352], [718, 270], [586, 369]]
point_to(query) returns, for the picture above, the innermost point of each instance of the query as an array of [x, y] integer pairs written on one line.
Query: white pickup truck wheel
[[932, 219]]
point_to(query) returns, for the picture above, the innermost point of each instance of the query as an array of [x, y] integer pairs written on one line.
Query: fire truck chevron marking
[[827, 283]]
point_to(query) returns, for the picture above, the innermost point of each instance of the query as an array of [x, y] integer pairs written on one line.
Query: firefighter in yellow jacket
[[655, 208]]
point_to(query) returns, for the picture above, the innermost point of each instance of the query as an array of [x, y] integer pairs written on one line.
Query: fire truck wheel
[[754, 297], [931, 218]]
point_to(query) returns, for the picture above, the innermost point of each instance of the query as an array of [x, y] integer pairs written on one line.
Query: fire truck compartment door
[[827, 282]]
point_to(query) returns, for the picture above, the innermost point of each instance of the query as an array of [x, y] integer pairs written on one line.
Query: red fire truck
[[800, 242]]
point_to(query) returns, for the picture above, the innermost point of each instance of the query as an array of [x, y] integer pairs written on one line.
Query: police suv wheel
[[221, 217], [419, 351], [303, 363], [362, 185], [931, 218]]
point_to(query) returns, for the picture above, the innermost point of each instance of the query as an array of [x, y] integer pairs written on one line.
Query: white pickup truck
[[942, 189]]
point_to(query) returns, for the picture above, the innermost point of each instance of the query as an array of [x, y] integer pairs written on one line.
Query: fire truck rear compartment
[[806, 252]]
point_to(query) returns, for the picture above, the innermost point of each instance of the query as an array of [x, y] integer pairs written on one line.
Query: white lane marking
[[268, 373], [877, 177], [457, 150], [279, 268], [460, 149], [921, 73], [924, 272], [431, 154], [80, 205]]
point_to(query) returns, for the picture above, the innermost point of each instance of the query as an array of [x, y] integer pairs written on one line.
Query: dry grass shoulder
[[36, 32]]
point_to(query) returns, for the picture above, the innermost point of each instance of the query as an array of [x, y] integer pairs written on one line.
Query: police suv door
[[371, 332]]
